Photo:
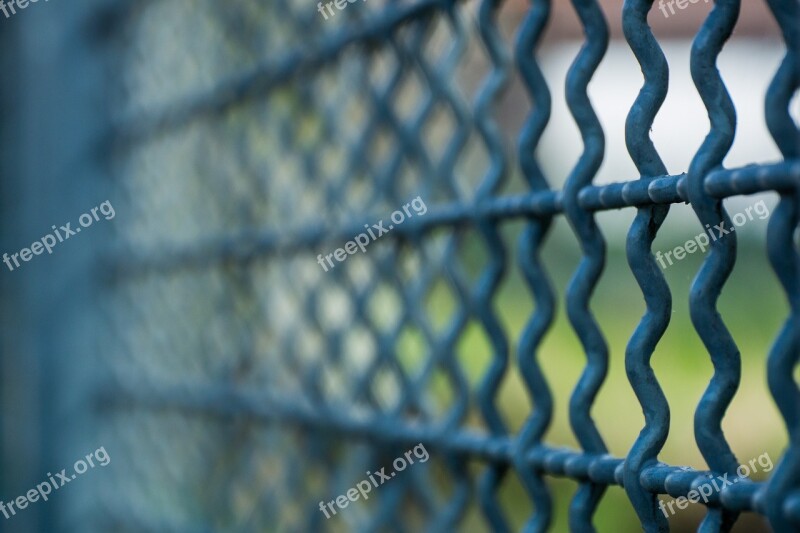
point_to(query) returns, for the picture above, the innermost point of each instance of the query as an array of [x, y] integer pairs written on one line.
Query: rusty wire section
[[249, 385]]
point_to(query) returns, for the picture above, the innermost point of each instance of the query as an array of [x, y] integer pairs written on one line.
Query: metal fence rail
[[231, 348]]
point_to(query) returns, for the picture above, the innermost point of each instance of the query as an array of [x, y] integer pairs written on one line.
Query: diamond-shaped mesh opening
[[385, 307], [440, 305], [411, 350], [513, 500], [408, 184], [473, 255], [409, 95], [469, 172], [474, 353], [335, 308], [359, 348], [441, 394], [437, 131], [387, 388]]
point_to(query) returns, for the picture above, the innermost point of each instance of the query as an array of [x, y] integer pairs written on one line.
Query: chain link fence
[[247, 376]]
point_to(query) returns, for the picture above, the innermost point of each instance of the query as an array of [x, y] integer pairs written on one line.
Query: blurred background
[[239, 140]]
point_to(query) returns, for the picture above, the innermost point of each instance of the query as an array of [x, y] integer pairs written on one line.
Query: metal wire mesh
[[249, 384]]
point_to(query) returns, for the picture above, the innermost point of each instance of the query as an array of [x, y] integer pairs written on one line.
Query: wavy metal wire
[[651, 281], [404, 30], [720, 260]]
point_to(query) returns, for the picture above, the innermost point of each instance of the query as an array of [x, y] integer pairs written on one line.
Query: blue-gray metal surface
[[389, 432]]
